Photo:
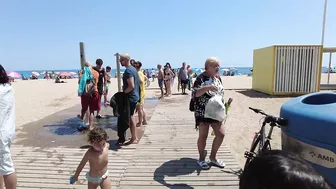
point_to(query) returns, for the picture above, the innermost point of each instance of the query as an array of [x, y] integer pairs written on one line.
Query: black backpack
[[89, 87]]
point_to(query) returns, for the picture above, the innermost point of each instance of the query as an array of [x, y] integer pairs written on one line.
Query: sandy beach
[[40, 98]]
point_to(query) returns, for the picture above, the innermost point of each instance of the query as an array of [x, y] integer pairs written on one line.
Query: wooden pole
[[330, 56], [82, 54], [324, 21], [118, 71]]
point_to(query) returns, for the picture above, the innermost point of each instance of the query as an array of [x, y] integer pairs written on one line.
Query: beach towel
[[121, 108], [7, 113], [87, 75]]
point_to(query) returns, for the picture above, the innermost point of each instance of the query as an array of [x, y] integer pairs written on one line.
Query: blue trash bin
[[311, 131]]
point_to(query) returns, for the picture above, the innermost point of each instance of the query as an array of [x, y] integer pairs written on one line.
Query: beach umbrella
[[72, 73], [35, 74], [65, 74], [13, 74]]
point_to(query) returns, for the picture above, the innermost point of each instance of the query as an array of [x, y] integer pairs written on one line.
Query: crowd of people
[[94, 83], [166, 78], [269, 170]]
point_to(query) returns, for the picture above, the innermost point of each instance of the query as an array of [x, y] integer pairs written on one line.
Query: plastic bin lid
[[312, 109]]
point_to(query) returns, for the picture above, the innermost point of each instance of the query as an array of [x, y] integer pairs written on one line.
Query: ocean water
[[240, 71]]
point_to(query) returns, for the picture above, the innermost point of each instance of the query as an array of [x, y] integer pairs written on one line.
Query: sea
[[239, 71]]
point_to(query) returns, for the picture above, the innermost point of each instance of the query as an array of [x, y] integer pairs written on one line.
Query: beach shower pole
[[324, 21], [330, 56], [82, 54], [118, 71]]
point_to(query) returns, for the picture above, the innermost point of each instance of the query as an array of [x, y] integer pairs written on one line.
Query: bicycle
[[260, 139]]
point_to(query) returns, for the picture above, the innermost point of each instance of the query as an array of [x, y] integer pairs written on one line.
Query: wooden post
[[324, 21], [118, 71], [330, 56], [82, 54]]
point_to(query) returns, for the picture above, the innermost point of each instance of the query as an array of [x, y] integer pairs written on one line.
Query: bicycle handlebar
[[270, 118]]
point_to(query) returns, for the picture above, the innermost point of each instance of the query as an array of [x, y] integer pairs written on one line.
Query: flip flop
[[120, 142], [218, 163], [203, 164]]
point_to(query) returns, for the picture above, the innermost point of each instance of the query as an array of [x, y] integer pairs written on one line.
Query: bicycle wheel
[[253, 149]]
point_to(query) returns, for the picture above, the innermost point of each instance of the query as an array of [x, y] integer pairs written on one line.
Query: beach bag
[[215, 109], [89, 87]]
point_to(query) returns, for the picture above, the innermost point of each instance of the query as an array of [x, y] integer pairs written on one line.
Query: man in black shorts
[[183, 77], [101, 85]]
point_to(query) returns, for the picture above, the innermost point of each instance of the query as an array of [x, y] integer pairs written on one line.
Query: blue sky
[[44, 34]]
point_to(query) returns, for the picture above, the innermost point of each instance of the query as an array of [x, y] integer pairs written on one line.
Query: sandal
[[120, 142], [203, 164], [218, 163]]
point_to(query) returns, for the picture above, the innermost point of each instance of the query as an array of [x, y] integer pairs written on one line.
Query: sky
[[45, 34]]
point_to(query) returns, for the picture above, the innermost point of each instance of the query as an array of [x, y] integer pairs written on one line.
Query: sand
[[38, 99]]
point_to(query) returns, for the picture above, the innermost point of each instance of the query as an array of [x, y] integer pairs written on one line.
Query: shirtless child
[[160, 79], [97, 155]]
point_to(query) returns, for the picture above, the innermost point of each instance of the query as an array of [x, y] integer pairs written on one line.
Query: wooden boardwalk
[[166, 157], [52, 168]]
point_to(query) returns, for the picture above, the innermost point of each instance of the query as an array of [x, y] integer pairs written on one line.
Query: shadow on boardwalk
[[174, 168], [166, 156]]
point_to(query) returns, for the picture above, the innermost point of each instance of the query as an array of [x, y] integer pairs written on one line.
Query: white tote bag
[[215, 109]]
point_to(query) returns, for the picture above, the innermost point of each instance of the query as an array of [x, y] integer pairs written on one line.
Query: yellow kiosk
[[287, 70]]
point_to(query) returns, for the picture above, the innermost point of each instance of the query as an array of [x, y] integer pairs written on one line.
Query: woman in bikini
[[168, 75]]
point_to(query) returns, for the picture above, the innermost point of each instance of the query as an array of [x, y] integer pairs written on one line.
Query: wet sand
[[60, 128]]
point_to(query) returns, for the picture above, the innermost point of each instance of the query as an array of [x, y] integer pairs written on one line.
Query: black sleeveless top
[[100, 84]]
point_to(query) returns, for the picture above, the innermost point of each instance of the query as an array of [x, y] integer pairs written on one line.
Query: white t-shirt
[[7, 113]]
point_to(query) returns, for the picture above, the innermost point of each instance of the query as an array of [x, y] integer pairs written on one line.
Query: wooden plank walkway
[[166, 156], [52, 168]]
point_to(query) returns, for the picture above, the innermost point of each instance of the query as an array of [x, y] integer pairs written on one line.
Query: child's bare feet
[[138, 125], [144, 123]]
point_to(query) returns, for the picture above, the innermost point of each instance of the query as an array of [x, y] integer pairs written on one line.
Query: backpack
[[89, 87]]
